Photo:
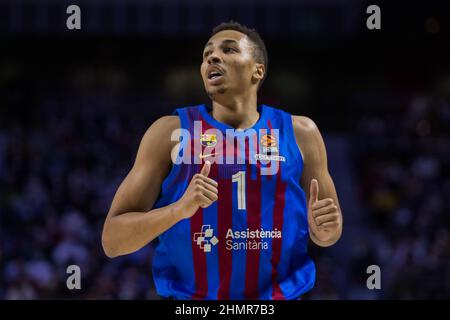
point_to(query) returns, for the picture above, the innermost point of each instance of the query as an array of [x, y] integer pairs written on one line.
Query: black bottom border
[[177, 309]]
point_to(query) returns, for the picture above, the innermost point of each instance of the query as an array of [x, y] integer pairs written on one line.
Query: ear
[[259, 72]]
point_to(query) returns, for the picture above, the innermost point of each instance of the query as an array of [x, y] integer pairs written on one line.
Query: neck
[[240, 113]]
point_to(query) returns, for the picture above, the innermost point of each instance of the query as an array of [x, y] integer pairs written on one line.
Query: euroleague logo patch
[[268, 140], [268, 144]]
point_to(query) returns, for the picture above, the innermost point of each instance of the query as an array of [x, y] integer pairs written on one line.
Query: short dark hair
[[259, 52]]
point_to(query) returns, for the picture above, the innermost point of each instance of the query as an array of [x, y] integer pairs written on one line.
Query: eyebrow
[[226, 41]]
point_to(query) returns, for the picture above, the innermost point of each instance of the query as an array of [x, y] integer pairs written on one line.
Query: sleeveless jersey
[[252, 242]]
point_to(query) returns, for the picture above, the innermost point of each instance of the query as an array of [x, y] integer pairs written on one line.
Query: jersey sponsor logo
[[251, 234], [236, 240], [250, 239], [205, 238], [208, 140]]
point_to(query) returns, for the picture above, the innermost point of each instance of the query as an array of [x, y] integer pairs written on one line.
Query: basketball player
[[228, 230]]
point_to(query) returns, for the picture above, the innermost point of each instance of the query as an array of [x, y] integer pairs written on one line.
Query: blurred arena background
[[74, 105]]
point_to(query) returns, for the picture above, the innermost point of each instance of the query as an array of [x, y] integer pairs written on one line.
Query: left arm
[[324, 212]]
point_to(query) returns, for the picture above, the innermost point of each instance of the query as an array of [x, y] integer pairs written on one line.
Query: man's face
[[228, 64]]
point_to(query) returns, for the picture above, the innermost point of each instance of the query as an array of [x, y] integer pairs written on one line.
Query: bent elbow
[[109, 250], [107, 245]]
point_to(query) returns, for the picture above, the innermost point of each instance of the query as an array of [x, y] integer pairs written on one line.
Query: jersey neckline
[[204, 111]]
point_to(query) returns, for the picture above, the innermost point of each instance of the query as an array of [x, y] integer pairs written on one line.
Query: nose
[[213, 58]]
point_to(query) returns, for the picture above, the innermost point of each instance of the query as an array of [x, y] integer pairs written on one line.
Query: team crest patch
[[208, 140], [268, 144]]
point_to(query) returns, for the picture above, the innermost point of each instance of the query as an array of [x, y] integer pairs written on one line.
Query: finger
[[210, 195], [322, 203], [209, 187], [204, 201], [313, 192], [333, 217], [329, 225], [324, 210], [208, 180], [206, 168]]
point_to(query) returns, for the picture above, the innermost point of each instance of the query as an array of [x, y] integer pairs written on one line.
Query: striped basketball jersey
[[252, 242]]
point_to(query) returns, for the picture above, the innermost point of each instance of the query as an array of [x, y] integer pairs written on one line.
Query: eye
[[229, 49], [207, 53]]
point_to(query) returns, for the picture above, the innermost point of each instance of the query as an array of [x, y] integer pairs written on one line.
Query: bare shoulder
[[161, 130], [165, 125], [303, 126], [308, 138], [157, 140], [306, 131]]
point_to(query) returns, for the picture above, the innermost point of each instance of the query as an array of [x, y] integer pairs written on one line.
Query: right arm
[[130, 223]]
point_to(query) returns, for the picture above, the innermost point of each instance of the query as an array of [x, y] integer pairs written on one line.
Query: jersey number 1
[[239, 177]]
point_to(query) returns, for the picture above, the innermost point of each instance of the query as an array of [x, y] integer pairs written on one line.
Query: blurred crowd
[[60, 167], [402, 156]]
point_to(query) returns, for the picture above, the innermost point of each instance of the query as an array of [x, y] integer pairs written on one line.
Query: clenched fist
[[323, 215], [201, 192]]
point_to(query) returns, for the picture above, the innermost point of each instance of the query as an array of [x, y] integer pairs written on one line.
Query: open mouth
[[214, 75]]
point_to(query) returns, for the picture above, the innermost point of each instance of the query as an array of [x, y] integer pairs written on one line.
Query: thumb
[[313, 192], [206, 168]]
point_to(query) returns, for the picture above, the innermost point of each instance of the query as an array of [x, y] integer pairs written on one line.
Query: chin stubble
[[221, 90]]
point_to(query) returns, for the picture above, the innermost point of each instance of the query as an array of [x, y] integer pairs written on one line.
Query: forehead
[[221, 36]]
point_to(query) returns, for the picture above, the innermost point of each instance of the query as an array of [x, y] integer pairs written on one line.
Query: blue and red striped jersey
[[252, 242]]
